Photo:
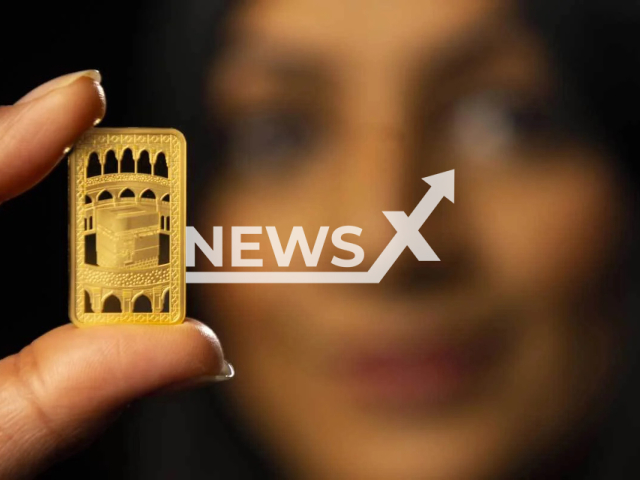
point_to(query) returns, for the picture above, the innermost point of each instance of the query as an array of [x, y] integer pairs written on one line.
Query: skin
[[384, 91], [62, 389]]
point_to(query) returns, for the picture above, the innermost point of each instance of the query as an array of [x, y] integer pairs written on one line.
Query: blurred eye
[[270, 137], [494, 124]]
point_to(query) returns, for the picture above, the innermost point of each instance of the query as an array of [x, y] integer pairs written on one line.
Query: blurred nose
[[378, 172], [372, 165]]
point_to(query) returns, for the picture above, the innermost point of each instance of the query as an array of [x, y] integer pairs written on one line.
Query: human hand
[[62, 389]]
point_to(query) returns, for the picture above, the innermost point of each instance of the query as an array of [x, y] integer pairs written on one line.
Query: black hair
[[594, 44]]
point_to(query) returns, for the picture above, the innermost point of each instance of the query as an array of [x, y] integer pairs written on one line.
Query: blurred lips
[[428, 375]]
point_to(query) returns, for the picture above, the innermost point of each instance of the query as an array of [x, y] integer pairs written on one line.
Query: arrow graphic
[[408, 228], [407, 236]]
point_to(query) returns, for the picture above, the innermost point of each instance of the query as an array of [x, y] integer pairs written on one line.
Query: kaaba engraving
[[127, 196]]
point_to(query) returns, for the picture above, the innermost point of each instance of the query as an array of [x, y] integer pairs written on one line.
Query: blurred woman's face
[[457, 369]]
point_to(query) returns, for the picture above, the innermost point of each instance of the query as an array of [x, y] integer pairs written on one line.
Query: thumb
[[61, 389]]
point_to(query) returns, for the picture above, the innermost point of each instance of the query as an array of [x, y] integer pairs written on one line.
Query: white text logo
[[407, 236]]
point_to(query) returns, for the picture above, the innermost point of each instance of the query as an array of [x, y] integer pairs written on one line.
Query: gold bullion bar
[[127, 195]]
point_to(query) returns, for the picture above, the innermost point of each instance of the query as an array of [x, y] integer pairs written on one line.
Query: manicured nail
[[60, 82], [226, 373]]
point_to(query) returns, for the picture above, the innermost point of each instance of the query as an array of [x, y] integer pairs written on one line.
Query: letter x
[[408, 232]]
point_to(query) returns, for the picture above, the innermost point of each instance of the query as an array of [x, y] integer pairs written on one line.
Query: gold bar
[[127, 195]]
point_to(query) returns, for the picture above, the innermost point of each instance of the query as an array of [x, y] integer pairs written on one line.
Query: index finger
[[36, 132]]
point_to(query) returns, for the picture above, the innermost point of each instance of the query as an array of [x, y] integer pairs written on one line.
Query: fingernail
[[60, 82], [226, 373]]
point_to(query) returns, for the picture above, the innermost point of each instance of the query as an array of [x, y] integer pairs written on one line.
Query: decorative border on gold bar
[[97, 283]]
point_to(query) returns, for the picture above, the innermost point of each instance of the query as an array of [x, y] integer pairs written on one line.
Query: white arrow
[[408, 227]]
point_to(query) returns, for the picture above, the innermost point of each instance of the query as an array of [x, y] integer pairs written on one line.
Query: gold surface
[[127, 192]]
